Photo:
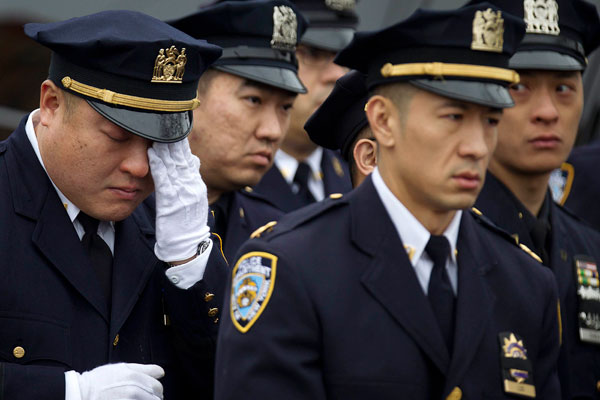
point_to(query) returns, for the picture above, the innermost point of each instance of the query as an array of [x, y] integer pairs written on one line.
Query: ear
[[51, 102], [365, 156], [383, 119]]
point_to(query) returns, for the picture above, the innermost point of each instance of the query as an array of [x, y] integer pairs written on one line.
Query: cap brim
[[282, 78], [544, 60], [485, 94], [158, 127], [333, 39]]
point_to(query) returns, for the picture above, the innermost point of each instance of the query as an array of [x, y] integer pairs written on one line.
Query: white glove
[[181, 201], [116, 381]]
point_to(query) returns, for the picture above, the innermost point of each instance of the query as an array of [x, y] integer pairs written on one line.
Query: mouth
[[467, 180], [545, 142], [262, 158], [125, 192]]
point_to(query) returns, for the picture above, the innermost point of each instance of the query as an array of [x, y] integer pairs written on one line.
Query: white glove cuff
[[72, 390], [184, 248]]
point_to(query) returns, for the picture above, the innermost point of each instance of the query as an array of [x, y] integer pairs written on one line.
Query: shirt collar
[[412, 233], [288, 165], [72, 209]]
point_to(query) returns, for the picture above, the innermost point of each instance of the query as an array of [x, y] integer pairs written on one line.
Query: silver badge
[[541, 16], [285, 26], [341, 5]]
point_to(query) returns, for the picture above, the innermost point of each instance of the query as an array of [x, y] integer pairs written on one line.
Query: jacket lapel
[[390, 268], [275, 188], [474, 303], [34, 197], [560, 260]]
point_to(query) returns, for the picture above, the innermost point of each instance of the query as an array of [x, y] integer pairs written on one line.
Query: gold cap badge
[[341, 5], [285, 26], [541, 16], [488, 31], [169, 65]]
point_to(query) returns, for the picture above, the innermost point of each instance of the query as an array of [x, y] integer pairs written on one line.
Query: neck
[[213, 195], [529, 189], [300, 151]]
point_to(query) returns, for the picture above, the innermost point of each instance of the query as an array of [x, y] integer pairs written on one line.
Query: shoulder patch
[[268, 227], [251, 288], [560, 182]]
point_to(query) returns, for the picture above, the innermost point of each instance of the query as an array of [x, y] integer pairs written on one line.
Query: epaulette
[[298, 217], [488, 223]]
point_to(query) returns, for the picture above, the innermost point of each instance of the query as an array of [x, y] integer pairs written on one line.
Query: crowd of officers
[[256, 201]]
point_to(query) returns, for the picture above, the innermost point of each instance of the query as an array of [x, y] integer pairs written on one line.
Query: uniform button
[[19, 352], [208, 297], [598, 386], [116, 341], [213, 312], [216, 320], [175, 279], [455, 394]]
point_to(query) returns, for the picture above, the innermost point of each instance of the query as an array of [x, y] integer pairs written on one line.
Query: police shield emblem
[[560, 183], [251, 288]]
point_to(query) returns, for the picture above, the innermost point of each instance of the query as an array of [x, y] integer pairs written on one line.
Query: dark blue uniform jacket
[[579, 363], [347, 318], [52, 306], [275, 188]]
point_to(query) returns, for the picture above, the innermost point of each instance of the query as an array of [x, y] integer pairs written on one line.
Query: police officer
[[534, 138], [341, 124], [245, 104], [303, 172], [100, 297], [392, 291]]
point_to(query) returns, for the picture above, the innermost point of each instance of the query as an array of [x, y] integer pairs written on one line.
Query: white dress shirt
[[288, 165], [415, 236], [183, 276]]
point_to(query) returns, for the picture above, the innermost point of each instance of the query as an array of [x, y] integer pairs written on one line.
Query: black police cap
[[258, 38], [461, 54], [559, 35], [135, 70], [331, 23], [341, 117]]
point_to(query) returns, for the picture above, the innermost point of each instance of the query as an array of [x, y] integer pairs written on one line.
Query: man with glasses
[[303, 172]]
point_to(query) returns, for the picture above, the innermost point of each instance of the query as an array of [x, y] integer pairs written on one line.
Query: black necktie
[[539, 235], [301, 179], [440, 294], [98, 252]]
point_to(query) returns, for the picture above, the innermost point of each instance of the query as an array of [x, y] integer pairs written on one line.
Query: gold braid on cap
[[108, 96], [439, 70]]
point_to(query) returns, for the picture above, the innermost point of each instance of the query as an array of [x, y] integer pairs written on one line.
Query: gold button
[[19, 352], [208, 297], [455, 394], [242, 213], [213, 312], [520, 215], [216, 321], [598, 386], [116, 341], [248, 189]]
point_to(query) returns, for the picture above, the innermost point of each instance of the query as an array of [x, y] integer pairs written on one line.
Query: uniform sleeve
[[195, 316], [546, 373], [269, 344]]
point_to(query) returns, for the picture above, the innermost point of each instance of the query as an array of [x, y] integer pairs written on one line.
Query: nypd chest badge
[[251, 288]]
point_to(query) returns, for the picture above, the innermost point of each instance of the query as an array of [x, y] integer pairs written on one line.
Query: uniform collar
[[413, 234], [288, 165]]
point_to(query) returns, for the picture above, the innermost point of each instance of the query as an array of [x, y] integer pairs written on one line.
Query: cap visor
[[333, 39], [485, 94], [158, 127], [544, 60], [282, 78]]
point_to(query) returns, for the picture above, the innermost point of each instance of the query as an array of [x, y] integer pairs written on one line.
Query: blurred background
[[24, 63]]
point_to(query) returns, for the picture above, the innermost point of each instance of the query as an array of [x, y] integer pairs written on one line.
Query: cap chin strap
[[144, 103], [440, 70]]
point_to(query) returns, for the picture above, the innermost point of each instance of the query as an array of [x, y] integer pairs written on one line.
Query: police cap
[[341, 117], [331, 23], [559, 34], [135, 70], [461, 54], [258, 39]]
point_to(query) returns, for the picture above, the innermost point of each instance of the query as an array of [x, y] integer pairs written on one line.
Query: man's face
[[318, 73], [537, 134], [237, 129], [102, 168], [441, 151]]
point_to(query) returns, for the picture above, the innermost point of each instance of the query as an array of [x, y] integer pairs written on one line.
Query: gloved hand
[[181, 201], [120, 381]]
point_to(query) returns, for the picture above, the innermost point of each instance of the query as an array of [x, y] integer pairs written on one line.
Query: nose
[[479, 140], [135, 162], [272, 126], [544, 108]]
